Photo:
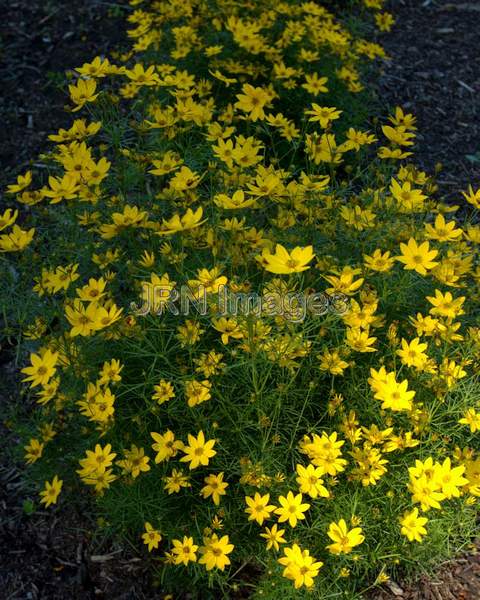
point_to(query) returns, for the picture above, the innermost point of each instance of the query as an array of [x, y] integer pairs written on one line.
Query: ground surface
[[435, 72], [39, 39], [50, 555]]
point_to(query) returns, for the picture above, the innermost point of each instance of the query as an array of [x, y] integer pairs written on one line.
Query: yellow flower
[[416, 257], [16, 240], [100, 480], [140, 77], [445, 305], [81, 317], [42, 369], [360, 340], [147, 259], [472, 197], [235, 202], [394, 395], [215, 487], [110, 372], [97, 404], [163, 391], [324, 451], [83, 92], [253, 101], [176, 481], [33, 450], [23, 181], [409, 200], [412, 353], [96, 461], [168, 163], [356, 139], [330, 361], [398, 135], [151, 537], [106, 315], [344, 540], [401, 119], [209, 363], [310, 481], [449, 479], [384, 21], [425, 490], [198, 451], [97, 68], [184, 551], [165, 445], [443, 231], [135, 462], [229, 328], [274, 537], [189, 220], [292, 509], [258, 508], [208, 280], [284, 262], [413, 526], [215, 552], [51, 492], [8, 218], [184, 180], [472, 419], [323, 148], [300, 567], [93, 291], [357, 217], [315, 84], [188, 334], [197, 392], [324, 115], [344, 282]]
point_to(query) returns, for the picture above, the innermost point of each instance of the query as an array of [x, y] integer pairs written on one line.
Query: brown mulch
[[455, 580], [435, 73]]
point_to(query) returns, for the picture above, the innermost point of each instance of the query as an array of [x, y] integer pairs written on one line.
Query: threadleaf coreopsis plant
[[297, 449]]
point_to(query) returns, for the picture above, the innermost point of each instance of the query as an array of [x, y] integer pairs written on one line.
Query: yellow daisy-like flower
[[151, 537], [50, 493], [198, 451], [413, 526], [344, 539], [417, 257], [284, 262], [292, 509]]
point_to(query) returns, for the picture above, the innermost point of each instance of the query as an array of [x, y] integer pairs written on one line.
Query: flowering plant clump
[[301, 450]]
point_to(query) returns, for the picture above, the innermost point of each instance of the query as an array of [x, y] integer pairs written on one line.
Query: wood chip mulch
[[435, 72]]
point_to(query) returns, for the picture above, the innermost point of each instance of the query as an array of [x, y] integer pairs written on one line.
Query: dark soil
[[435, 73], [39, 40], [50, 555]]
